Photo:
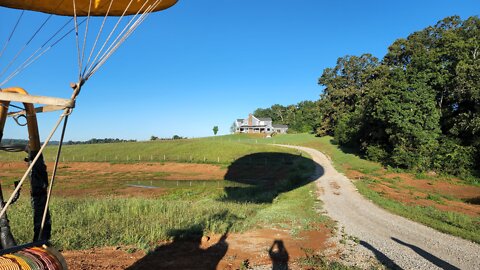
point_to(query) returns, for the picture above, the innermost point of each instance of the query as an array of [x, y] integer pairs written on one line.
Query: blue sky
[[205, 63]]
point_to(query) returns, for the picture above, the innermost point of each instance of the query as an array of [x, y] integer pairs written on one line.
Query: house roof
[[239, 120], [265, 119], [279, 126]]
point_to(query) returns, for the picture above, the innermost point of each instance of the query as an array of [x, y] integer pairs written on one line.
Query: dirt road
[[395, 241]]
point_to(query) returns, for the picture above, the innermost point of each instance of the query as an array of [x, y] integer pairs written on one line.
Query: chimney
[[250, 119]]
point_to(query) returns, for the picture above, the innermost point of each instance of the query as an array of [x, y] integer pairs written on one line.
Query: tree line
[[95, 141], [417, 108]]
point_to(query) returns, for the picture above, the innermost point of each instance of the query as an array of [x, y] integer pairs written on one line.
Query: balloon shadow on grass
[[261, 177]]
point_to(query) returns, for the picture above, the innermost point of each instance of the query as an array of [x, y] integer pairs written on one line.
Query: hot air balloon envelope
[[98, 7]]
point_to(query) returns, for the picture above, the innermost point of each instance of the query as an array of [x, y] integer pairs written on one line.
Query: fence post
[[218, 159]]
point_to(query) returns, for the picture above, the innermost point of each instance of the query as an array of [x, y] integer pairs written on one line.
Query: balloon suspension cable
[[44, 48], [12, 196], [25, 45], [54, 172], [12, 33], [103, 54], [76, 91], [106, 40]]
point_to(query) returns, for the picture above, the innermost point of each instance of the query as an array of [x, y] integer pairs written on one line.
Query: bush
[[346, 131], [376, 153], [453, 158]]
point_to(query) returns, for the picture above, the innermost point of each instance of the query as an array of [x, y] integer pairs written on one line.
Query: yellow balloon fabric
[[98, 7]]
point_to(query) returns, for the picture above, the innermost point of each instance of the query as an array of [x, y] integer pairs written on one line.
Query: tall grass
[[94, 222], [80, 223]]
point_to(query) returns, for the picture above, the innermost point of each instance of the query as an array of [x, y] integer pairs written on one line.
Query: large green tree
[[419, 107]]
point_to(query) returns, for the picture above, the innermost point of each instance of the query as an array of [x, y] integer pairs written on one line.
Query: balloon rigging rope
[[11, 34], [129, 28], [40, 51], [52, 180], [32, 163], [25, 45], [98, 37], [76, 36], [107, 39], [85, 39]]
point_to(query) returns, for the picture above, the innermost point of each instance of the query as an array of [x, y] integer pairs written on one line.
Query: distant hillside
[[19, 141]]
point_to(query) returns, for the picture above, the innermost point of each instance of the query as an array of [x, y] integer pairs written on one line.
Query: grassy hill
[[221, 150]]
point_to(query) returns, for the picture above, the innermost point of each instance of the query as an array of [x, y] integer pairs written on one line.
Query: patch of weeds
[[313, 261], [410, 188], [423, 176], [369, 180], [245, 265], [435, 197], [391, 169], [131, 250], [393, 180], [393, 186]]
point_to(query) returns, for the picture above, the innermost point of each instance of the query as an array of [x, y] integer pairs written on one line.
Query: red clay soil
[[258, 247], [404, 187], [175, 171], [105, 179], [420, 198]]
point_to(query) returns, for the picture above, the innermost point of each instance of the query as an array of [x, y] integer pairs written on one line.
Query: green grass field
[[215, 150], [80, 223], [201, 208]]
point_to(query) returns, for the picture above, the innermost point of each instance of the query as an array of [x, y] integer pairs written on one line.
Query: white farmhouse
[[253, 124]]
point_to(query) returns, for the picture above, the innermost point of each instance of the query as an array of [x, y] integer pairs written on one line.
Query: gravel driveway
[[395, 241]]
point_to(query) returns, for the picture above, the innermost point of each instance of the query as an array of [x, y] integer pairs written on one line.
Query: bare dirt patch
[[257, 247], [81, 179], [441, 193], [421, 198]]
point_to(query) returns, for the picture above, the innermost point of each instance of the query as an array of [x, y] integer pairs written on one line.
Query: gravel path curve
[[397, 242]]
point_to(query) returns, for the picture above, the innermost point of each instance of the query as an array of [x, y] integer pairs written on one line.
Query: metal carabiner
[[16, 118]]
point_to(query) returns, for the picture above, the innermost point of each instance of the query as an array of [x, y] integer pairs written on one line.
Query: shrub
[[376, 153], [453, 158]]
